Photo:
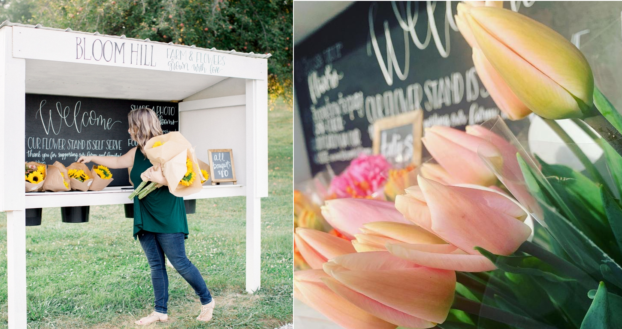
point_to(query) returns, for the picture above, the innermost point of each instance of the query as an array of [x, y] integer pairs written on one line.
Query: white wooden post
[[256, 175], [12, 198]]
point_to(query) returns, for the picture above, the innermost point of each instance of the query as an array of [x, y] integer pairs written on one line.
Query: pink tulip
[[348, 215], [441, 256], [374, 236], [309, 288], [456, 152], [316, 247], [469, 217], [393, 289], [503, 158], [545, 71], [414, 207]]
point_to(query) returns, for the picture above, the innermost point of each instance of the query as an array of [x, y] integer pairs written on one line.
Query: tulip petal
[[500, 92], [378, 309], [414, 210], [460, 160], [402, 232], [348, 215], [541, 47], [441, 257], [375, 241], [421, 292], [468, 217], [362, 247], [336, 308], [415, 192], [310, 255], [369, 261], [465, 30], [325, 244], [535, 89], [436, 172]]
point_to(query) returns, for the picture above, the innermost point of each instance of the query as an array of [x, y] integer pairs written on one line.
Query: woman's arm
[[124, 161]]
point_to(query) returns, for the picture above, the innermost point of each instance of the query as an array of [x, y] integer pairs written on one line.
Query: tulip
[[393, 289], [502, 157], [309, 288], [436, 172], [348, 215], [456, 152], [545, 71], [441, 256], [317, 247], [374, 236], [467, 217]]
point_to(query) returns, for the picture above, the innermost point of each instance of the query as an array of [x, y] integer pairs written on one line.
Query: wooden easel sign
[[221, 167], [398, 138]]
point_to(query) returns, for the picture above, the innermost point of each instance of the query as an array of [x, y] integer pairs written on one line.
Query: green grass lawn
[[95, 275]]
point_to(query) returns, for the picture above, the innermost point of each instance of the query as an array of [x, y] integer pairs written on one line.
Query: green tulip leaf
[[614, 213], [604, 313], [528, 265], [614, 163], [607, 109]]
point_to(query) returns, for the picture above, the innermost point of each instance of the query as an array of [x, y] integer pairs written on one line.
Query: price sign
[[221, 164]]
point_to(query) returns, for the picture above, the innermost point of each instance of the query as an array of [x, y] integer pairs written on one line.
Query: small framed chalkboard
[[221, 167], [398, 138]]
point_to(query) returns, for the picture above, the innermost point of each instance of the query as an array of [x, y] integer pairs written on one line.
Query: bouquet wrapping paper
[[203, 166], [76, 184], [98, 183], [175, 169], [55, 178]]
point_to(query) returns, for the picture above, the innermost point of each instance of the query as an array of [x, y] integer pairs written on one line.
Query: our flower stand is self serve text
[[222, 101]]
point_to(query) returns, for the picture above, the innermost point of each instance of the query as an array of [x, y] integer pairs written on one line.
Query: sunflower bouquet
[[56, 178], [79, 176], [102, 177], [175, 156], [34, 176], [204, 171]]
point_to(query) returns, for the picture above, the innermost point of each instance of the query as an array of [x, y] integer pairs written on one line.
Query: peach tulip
[[348, 215], [309, 288], [441, 256], [393, 289], [456, 152], [546, 72], [436, 172], [467, 217], [316, 247], [374, 236]]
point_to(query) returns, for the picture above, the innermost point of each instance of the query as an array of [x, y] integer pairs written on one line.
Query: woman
[[159, 219]]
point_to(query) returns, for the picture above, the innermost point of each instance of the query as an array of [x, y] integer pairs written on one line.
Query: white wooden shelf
[[117, 195]]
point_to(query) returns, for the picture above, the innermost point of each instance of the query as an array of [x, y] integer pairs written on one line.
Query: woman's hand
[[154, 174], [85, 159]]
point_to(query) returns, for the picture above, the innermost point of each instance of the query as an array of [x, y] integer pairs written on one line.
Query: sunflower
[[41, 169], [188, 165], [156, 144], [188, 179], [35, 177], [64, 181], [103, 172], [205, 175], [78, 174]]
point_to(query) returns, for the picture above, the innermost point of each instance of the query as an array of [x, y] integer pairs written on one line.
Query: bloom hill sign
[[63, 128]]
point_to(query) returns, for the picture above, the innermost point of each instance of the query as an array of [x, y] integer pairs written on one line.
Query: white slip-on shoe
[[207, 311]]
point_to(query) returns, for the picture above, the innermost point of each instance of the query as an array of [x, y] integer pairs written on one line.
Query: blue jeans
[[156, 245]]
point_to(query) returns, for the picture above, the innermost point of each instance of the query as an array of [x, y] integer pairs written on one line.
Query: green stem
[[586, 129], [496, 314], [607, 131], [589, 166], [146, 191], [138, 189], [558, 263]]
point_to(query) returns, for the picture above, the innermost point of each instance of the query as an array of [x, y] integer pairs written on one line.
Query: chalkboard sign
[[221, 166], [398, 138], [63, 128], [381, 59]]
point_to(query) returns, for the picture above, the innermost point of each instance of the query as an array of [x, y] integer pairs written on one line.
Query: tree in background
[[263, 26]]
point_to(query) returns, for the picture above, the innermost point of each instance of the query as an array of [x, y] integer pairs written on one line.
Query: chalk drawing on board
[[222, 168]]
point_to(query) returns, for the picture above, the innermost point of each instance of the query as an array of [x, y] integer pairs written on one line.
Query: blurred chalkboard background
[[379, 59], [62, 128]]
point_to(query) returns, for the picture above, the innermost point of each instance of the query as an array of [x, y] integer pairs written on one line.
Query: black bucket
[[129, 210], [33, 216], [191, 206], [75, 214]]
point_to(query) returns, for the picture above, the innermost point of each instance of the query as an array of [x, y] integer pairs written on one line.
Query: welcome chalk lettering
[[89, 118]]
